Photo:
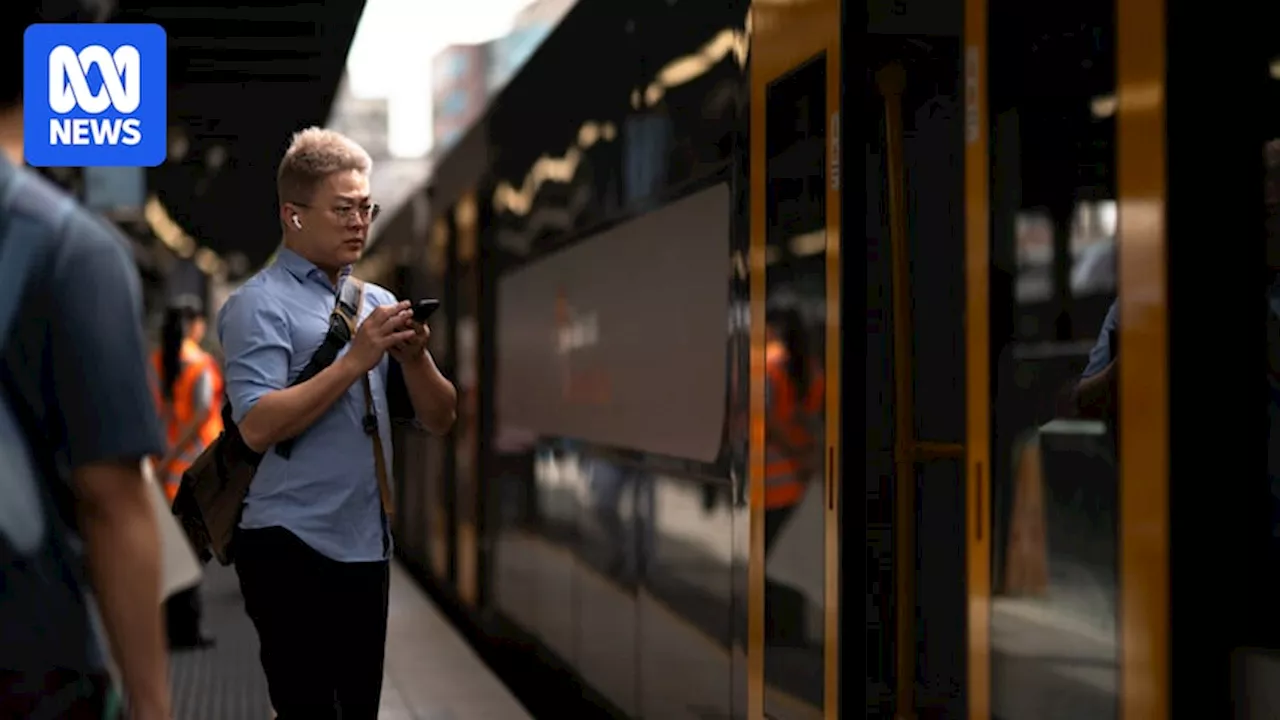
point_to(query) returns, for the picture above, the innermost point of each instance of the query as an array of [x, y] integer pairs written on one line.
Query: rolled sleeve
[[255, 340], [98, 353]]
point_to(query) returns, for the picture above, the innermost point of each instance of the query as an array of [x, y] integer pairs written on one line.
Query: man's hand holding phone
[[412, 350], [383, 330]]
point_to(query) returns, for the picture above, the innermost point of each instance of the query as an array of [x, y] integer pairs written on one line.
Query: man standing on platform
[[314, 542]]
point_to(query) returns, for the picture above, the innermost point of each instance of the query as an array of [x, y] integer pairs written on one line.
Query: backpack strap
[[348, 306], [350, 300], [343, 320]]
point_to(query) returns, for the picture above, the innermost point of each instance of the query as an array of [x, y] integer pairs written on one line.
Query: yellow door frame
[[1144, 384], [977, 220], [466, 544], [784, 36], [1144, 376]]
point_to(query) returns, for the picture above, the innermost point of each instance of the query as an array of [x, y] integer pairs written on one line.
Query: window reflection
[[1034, 256], [795, 395], [1055, 495], [1093, 248], [1091, 241], [621, 500]]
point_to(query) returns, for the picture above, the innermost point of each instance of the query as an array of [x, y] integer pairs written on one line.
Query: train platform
[[431, 671]]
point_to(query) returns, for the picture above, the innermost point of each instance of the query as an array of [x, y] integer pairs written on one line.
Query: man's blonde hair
[[313, 155]]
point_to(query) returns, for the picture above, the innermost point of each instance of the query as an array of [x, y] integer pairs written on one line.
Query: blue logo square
[[95, 95]]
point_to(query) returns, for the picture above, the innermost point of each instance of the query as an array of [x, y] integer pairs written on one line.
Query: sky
[[396, 40]]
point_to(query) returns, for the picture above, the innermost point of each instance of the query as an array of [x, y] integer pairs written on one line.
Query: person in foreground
[[74, 371], [313, 545]]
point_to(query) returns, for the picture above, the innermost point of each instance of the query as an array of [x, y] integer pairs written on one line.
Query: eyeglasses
[[346, 213]]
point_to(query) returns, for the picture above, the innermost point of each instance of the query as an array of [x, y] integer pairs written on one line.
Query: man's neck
[[11, 134]]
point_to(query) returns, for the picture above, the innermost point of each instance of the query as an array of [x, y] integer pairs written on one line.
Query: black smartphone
[[423, 309]]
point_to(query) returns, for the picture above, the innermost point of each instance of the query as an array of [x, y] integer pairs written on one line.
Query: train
[[588, 239], [657, 202]]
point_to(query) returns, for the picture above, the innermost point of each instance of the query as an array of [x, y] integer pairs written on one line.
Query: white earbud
[[296, 222]]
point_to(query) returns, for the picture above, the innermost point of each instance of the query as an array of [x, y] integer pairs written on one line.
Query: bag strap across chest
[[350, 299], [343, 322]]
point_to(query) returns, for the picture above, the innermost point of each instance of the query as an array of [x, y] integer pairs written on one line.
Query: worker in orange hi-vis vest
[[795, 395], [188, 391], [187, 385]]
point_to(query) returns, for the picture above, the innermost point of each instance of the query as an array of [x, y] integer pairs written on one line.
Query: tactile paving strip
[[224, 682]]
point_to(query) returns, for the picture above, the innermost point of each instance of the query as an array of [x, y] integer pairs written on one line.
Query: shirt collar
[[302, 268]]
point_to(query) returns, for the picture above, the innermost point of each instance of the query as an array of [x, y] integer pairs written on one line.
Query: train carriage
[[655, 210]]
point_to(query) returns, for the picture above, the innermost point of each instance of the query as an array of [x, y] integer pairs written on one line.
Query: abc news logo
[[69, 89], [95, 95]]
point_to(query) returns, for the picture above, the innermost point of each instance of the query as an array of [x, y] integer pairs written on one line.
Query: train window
[[795, 396], [1054, 645], [586, 333]]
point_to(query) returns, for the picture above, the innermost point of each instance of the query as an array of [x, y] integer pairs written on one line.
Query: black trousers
[[182, 613], [784, 619], [322, 626]]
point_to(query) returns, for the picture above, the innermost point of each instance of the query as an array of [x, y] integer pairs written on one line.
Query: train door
[[467, 429], [424, 278], [793, 647], [434, 506], [1067, 455], [914, 450]]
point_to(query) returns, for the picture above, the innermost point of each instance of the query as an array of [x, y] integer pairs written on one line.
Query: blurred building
[[364, 120], [367, 121], [459, 91], [464, 77]]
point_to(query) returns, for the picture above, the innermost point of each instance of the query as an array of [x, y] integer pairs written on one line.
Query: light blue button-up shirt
[[326, 492]]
